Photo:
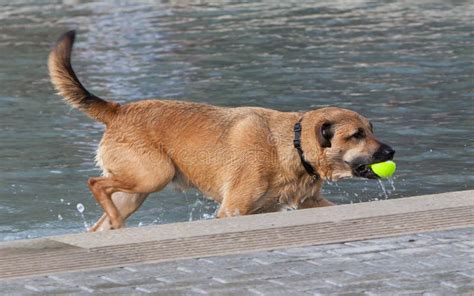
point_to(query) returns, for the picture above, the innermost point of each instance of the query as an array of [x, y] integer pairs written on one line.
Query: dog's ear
[[324, 133]]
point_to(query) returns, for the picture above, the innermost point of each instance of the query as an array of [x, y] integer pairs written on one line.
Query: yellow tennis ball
[[384, 169]]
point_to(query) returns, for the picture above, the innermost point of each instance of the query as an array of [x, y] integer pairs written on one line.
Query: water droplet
[[61, 200], [80, 208], [60, 217]]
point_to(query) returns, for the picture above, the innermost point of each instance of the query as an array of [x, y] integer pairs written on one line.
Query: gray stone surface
[[433, 263]]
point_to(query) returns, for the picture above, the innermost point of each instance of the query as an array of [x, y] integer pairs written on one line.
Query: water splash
[[196, 206], [391, 182], [207, 216], [384, 190], [342, 194], [60, 218], [80, 209]]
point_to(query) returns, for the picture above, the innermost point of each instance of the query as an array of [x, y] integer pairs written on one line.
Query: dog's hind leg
[[103, 187], [126, 203], [131, 177]]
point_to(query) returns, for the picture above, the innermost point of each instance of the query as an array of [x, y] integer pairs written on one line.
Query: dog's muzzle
[[360, 167]]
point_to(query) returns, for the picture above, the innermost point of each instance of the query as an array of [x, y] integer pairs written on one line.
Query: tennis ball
[[384, 169]]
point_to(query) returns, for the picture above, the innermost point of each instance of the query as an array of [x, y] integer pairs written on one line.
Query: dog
[[250, 160]]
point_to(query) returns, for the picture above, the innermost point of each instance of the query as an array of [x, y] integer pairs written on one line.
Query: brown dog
[[250, 160]]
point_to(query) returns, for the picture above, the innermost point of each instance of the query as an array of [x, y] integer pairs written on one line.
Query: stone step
[[236, 235]]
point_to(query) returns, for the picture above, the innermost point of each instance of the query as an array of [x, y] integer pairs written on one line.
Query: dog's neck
[[297, 144]]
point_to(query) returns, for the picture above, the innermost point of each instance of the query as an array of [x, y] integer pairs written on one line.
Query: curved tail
[[68, 85]]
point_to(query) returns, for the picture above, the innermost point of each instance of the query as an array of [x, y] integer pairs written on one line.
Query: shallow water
[[408, 67]]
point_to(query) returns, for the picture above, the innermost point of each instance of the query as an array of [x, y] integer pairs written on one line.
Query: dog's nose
[[384, 153]]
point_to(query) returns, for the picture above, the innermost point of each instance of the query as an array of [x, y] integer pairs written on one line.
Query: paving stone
[[452, 280], [420, 251], [374, 275], [455, 233], [333, 279], [438, 263], [145, 291], [468, 243], [415, 241], [390, 239], [235, 260], [366, 249], [92, 282], [267, 290], [312, 251], [467, 273], [266, 258], [246, 274], [418, 285], [27, 287], [369, 256]]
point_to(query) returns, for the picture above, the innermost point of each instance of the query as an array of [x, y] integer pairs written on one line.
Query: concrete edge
[[266, 221]]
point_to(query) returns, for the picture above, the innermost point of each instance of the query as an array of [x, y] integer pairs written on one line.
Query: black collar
[[297, 143]]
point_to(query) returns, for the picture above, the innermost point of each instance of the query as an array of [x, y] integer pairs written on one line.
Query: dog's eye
[[360, 134]]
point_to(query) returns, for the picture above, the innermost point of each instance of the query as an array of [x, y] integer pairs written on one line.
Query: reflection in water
[[408, 67]]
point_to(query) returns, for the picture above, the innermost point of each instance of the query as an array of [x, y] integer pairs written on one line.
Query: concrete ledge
[[235, 235], [272, 220]]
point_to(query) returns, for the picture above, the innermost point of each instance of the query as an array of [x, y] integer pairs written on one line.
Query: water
[[407, 66]]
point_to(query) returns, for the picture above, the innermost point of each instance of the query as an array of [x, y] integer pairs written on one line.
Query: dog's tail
[[68, 85]]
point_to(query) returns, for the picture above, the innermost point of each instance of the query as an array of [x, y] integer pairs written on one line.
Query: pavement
[[415, 246]]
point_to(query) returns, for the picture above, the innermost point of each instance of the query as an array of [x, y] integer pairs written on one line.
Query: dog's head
[[342, 143]]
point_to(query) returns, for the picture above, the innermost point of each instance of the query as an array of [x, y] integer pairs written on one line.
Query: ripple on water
[[406, 66]]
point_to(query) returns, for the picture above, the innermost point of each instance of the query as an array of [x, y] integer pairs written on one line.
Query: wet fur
[[243, 158]]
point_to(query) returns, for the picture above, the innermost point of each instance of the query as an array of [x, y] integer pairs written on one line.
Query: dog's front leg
[[239, 203], [231, 208], [314, 202]]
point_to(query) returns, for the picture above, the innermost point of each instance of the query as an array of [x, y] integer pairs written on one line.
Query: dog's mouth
[[361, 168], [364, 171], [361, 165]]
